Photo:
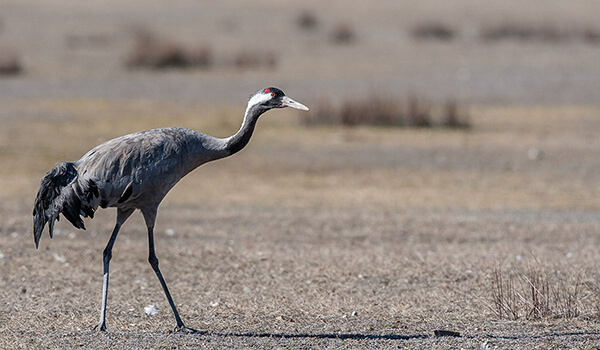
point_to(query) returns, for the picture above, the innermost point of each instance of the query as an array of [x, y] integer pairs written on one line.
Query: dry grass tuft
[[378, 111], [150, 51], [504, 296], [10, 64], [541, 293], [307, 20], [433, 31], [515, 31], [545, 32], [455, 115], [591, 36], [254, 60], [343, 34]]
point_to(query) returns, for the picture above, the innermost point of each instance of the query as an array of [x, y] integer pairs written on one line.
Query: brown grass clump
[[545, 32], [343, 34], [10, 64], [253, 60], [520, 31], [515, 31], [307, 20], [378, 111], [433, 31], [541, 293], [591, 36], [152, 52], [455, 117]]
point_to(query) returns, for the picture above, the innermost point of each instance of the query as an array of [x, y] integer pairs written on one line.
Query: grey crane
[[136, 171]]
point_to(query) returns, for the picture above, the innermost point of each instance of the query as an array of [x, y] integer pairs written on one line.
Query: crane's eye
[[272, 94]]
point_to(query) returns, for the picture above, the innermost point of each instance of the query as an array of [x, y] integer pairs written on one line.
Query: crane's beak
[[288, 102]]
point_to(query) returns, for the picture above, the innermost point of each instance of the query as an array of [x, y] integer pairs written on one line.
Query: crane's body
[[136, 171], [145, 166]]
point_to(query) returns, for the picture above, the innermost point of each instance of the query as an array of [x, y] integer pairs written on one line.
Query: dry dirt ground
[[312, 237], [371, 238]]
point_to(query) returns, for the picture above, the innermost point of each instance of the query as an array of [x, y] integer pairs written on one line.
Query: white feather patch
[[151, 310], [257, 99]]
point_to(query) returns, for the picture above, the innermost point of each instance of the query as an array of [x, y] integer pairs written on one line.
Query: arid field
[[486, 237]]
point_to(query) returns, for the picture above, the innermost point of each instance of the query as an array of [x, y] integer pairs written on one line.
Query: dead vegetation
[[543, 32], [546, 32], [338, 34], [152, 52], [433, 31], [307, 20], [542, 292], [343, 34], [10, 63], [377, 111]]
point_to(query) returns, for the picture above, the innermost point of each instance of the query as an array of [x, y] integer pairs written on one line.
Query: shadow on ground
[[354, 336]]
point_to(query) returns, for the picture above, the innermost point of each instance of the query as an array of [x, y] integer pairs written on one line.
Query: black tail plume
[[61, 192]]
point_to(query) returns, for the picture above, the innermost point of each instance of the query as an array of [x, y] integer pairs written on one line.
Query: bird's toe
[[100, 327], [188, 330]]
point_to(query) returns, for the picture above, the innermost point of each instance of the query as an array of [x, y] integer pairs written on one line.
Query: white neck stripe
[[257, 99]]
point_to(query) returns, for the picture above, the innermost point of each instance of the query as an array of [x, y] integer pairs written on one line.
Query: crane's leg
[[150, 218], [122, 216]]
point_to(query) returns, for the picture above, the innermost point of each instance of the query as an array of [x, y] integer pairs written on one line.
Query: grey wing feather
[[126, 167], [133, 171]]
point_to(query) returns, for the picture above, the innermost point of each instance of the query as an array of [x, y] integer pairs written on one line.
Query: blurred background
[[538, 52], [505, 81]]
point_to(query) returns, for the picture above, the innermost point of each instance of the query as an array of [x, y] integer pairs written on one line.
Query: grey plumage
[[136, 171]]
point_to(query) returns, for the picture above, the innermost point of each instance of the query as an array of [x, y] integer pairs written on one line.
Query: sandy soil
[[375, 238], [310, 237]]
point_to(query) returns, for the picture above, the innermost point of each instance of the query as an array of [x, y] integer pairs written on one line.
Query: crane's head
[[269, 98]]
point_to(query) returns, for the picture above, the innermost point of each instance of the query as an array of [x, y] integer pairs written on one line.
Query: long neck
[[205, 148], [235, 143]]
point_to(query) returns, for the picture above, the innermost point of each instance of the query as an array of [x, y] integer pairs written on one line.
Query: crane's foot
[[100, 327], [187, 330]]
